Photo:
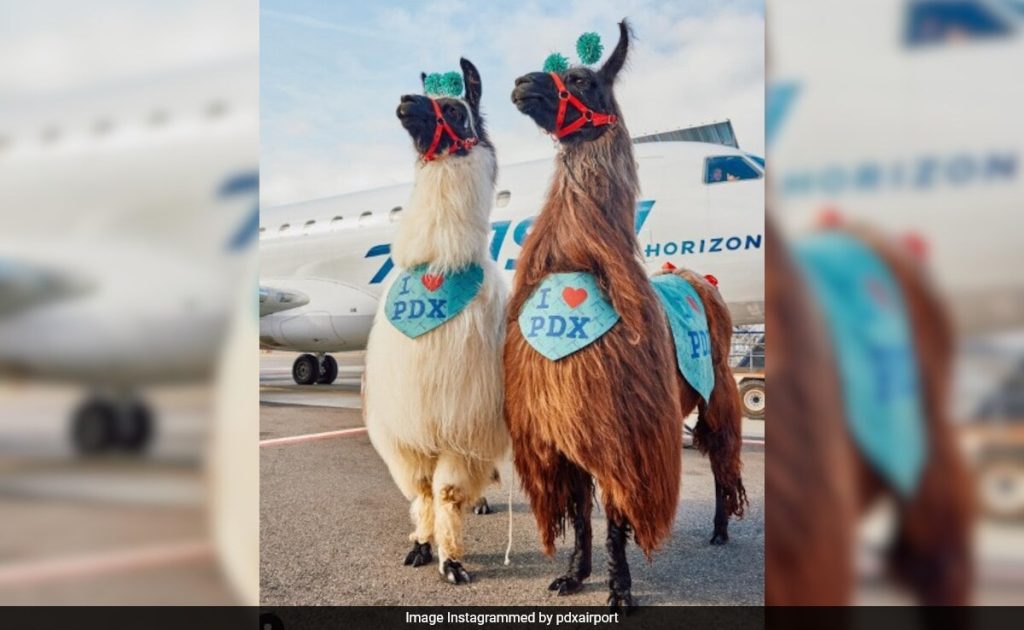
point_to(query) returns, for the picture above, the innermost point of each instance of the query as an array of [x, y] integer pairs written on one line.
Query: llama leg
[[718, 434], [413, 472], [581, 503], [481, 506], [620, 598], [422, 513], [456, 481]]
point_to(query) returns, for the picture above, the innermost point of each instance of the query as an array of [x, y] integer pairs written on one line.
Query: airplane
[[324, 263], [130, 216], [903, 115], [836, 145]]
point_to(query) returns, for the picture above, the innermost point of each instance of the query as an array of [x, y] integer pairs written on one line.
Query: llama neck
[[589, 213], [446, 221]]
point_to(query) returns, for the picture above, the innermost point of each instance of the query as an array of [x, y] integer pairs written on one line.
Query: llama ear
[[611, 67], [423, 81], [471, 77]]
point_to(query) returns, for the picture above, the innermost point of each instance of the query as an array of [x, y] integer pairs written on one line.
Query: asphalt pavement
[[334, 528]]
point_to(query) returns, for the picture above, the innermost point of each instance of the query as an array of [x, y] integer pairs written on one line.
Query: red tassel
[[916, 244], [830, 218], [713, 280], [668, 266]]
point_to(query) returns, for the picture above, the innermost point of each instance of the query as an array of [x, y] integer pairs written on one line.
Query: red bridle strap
[[442, 126], [587, 115]]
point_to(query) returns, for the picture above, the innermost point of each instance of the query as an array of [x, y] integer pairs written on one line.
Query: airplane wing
[[276, 300], [23, 286]]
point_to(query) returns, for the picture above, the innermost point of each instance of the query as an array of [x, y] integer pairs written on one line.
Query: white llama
[[433, 388]]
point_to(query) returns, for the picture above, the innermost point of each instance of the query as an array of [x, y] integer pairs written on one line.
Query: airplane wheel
[[93, 427], [135, 428], [306, 370], [329, 371]]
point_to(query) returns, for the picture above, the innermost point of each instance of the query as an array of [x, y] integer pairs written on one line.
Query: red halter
[[565, 98], [443, 126]]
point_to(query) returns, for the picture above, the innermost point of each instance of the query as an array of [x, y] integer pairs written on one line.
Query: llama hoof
[[419, 556], [482, 507], [454, 573], [566, 585], [621, 601], [720, 538]]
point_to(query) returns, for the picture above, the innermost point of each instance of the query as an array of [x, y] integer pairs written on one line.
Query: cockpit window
[[728, 168], [931, 22], [758, 159]]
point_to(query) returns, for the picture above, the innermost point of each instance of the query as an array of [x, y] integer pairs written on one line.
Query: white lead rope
[[508, 549]]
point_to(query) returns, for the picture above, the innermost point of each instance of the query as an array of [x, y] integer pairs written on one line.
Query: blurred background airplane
[[136, 208], [903, 115], [129, 149], [323, 263]]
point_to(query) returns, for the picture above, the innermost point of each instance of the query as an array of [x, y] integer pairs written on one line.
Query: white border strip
[[298, 439]]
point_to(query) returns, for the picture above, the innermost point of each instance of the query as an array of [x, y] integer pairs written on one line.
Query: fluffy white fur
[[433, 404]]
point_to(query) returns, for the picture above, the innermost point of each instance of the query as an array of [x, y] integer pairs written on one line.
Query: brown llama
[[811, 527], [612, 411]]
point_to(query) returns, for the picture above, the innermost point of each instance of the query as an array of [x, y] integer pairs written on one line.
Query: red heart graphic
[[432, 282], [693, 303], [574, 297]]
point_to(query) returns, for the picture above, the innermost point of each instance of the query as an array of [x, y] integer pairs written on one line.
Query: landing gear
[[328, 370], [306, 370], [309, 370], [101, 425]]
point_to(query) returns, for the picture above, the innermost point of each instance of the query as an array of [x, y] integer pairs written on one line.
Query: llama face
[[418, 117], [536, 94]]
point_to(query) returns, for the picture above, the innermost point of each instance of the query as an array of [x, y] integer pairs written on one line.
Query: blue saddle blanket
[[867, 323], [565, 313], [568, 311], [689, 324], [420, 301]]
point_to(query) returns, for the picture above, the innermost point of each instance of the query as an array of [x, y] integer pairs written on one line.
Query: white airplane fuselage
[[337, 267]]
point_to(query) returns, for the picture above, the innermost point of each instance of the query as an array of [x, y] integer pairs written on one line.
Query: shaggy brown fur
[[811, 527], [614, 409]]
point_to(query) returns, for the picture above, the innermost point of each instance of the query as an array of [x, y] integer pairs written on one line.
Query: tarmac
[[334, 528], [117, 530]]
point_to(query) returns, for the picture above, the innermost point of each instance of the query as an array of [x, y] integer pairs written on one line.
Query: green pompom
[[451, 84], [556, 62], [589, 48], [432, 83], [447, 84]]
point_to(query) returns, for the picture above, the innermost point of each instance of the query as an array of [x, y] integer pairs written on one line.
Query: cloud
[[329, 95]]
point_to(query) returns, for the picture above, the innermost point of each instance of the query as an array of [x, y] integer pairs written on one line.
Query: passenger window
[[365, 217], [931, 22], [308, 227], [284, 228], [728, 168], [503, 198], [336, 222], [397, 210]]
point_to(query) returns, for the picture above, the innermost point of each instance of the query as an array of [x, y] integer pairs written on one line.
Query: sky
[[331, 74]]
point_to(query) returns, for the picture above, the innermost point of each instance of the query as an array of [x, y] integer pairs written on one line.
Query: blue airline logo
[[500, 231], [236, 186]]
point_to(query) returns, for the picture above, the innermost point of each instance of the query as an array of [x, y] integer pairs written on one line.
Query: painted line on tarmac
[[298, 439], [100, 563]]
